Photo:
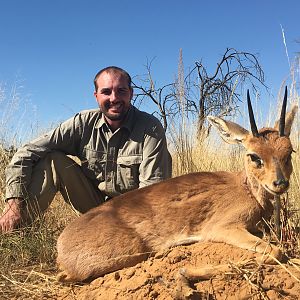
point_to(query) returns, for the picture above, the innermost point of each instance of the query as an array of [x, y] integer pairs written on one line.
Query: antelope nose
[[282, 183]]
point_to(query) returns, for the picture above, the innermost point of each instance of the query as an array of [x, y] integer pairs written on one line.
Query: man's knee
[[61, 164], [60, 158]]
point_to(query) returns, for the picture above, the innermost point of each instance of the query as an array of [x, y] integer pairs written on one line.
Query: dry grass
[[28, 268]]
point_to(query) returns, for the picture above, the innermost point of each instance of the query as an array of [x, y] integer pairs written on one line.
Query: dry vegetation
[[28, 270]]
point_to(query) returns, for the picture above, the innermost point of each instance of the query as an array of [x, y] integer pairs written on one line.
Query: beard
[[115, 112]]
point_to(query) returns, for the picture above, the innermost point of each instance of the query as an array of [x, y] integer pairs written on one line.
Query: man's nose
[[113, 96]]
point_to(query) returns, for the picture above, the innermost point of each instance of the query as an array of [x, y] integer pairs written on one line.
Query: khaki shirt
[[133, 156]]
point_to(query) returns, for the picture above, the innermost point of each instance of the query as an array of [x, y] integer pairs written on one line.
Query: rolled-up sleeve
[[157, 162]]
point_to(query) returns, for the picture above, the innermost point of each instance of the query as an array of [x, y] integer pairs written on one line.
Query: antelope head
[[268, 157]]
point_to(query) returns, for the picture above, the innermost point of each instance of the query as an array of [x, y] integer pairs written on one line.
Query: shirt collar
[[128, 122]]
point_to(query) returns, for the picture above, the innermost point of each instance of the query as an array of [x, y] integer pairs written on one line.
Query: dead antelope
[[205, 206]]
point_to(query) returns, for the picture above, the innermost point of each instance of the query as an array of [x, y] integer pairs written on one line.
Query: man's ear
[[230, 132], [96, 97], [131, 93]]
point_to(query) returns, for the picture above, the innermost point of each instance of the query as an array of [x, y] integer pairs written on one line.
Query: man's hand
[[11, 216]]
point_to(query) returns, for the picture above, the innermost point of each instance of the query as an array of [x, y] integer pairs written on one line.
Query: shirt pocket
[[128, 172], [94, 164]]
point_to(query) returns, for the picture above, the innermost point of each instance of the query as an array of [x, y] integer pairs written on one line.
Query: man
[[119, 147]]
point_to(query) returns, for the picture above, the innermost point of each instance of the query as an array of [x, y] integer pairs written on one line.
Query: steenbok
[[205, 206]]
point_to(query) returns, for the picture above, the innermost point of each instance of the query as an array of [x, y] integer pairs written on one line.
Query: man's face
[[113, 95]]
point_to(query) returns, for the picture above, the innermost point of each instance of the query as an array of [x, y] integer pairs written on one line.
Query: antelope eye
[[257, 160]]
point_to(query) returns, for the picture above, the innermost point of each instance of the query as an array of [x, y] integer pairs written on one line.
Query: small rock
[[117, 276], [129, 273], [154, 294]]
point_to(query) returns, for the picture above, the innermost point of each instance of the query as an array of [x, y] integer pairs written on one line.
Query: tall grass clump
[[17, 120], [27, 255], [289, 235]]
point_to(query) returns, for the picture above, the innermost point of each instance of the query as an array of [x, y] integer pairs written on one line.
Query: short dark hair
[[112, 69]]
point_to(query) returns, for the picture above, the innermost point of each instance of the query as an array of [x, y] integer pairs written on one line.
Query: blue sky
[[54, 48]]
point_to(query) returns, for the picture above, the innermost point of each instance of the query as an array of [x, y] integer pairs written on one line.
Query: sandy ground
[[159, 278]]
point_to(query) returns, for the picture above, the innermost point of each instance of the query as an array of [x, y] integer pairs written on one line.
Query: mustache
[[109, 104]]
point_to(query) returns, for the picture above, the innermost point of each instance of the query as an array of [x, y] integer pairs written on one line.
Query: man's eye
[[257, 160], [122, 91], [105, 92]]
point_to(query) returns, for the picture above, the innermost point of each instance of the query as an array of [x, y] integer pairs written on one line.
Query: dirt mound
[[159, 277]]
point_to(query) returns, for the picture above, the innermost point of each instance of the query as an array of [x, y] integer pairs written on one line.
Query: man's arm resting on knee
[[11, 215]]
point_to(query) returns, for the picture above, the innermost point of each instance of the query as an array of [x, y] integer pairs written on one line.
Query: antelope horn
[[251, 116], [282, 115]]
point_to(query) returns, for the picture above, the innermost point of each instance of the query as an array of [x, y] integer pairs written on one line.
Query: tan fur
[[206, 206]]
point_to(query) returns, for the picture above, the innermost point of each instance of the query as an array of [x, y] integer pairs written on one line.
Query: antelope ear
[[230, 132], [289, 119]]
